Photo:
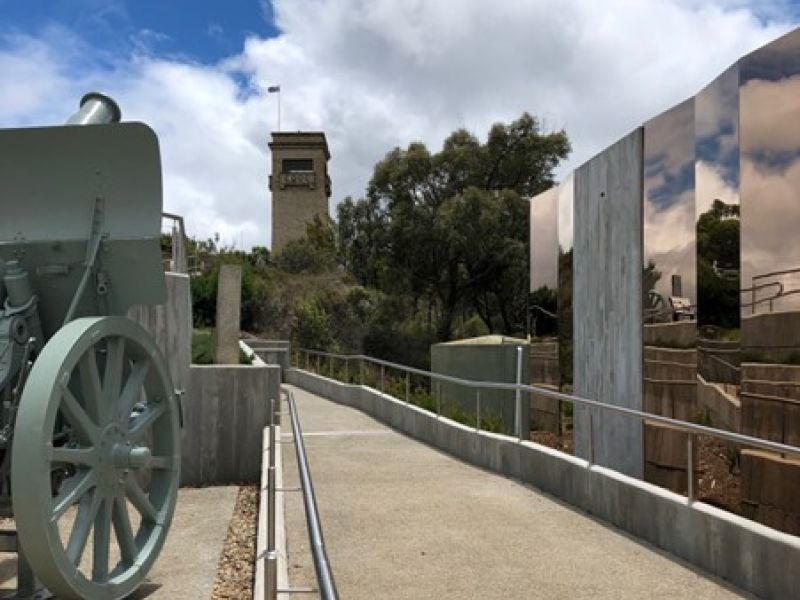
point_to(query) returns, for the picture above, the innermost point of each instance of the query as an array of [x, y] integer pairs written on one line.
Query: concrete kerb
[[745, 553], [280, 525]]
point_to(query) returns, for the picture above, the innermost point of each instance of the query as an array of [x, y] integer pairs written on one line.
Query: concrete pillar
[[229, 302], [607, 304]]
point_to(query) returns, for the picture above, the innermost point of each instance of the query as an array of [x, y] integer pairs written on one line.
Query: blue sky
[[372, 74], [197, 31]]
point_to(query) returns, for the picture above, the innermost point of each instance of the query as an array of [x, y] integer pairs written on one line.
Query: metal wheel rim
[[105, 480]]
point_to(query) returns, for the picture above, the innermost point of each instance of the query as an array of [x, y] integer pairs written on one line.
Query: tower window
[[298, 165]]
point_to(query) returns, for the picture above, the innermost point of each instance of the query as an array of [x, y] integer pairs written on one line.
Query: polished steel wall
[[669, 290], [566, 203], [719, 272]]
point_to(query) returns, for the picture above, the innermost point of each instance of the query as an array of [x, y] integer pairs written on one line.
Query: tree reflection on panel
[[717, 210]]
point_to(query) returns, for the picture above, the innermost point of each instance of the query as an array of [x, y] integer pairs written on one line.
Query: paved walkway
[[187, 565], [403, 520]]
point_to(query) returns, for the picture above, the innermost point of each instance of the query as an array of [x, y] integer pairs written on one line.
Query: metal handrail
[[689, 428], [327, 586], [781, 293]]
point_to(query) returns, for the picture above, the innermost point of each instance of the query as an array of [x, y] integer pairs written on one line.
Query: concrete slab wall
[[747, 554], [607, 302], [170, 324], [229, 303], [224, 412]]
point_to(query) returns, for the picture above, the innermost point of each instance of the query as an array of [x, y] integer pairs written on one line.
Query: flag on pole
[[273, 88]]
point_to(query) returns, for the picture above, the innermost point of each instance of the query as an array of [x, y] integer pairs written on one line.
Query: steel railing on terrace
[[303, 356]]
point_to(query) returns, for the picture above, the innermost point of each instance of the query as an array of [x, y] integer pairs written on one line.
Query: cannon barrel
[[96, 109]]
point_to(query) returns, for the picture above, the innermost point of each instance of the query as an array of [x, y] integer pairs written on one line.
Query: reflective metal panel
[[544, 239], [718, 236], [669, 297], [669, 216], [769, 104], [566, 195], [544, 368], [544, 262], [770, 177]]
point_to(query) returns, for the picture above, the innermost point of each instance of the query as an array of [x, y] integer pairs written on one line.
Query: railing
[[325, 581], [691, 429], [178, 262], [755, 287]]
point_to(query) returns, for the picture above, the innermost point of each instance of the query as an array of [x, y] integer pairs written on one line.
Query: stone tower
[[299, 183]]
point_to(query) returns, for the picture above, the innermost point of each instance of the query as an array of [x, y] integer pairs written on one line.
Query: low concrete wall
[[272, 352], [224, 413], [772, 336], [749, 555], [681, 334], [724, 409]]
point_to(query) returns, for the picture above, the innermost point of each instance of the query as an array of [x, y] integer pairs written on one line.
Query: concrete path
[[403, 520], [187, 565]]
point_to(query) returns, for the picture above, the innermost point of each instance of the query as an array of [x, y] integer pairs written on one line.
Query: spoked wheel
[[95, 459]]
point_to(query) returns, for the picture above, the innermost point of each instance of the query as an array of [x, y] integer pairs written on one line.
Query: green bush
[[202, 347]]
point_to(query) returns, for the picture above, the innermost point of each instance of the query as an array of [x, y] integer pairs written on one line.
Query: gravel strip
[[236, 565]]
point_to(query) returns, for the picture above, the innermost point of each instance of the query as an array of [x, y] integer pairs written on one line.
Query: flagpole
[[276, 89]]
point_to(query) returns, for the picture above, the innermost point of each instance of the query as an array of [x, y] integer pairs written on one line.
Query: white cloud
[[379, 73]]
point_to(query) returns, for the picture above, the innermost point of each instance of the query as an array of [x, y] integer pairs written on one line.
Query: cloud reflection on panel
[[669, 212], [770, 163]]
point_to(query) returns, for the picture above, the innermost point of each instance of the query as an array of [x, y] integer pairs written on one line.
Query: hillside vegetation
[[437, 249]]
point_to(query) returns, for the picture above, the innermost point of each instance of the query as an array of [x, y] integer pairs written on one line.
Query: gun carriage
[[89, 420]]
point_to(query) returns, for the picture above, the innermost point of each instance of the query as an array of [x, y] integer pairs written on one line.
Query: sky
[[372, 74]]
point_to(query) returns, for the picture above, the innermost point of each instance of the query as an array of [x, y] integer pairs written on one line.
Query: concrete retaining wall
[[224, 412], [747, 554]]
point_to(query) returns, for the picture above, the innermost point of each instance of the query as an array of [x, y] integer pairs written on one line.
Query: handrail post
[[271, 556], [477, 409], [518, 394], [591, 436], [307, 359], [690, 466]]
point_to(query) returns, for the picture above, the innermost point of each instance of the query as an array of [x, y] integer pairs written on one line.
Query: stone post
[[229, 300]]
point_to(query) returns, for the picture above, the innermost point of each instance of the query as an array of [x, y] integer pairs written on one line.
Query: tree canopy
[[449, 230]]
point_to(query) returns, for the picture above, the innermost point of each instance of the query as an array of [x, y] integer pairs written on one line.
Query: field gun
[[89, 420]]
